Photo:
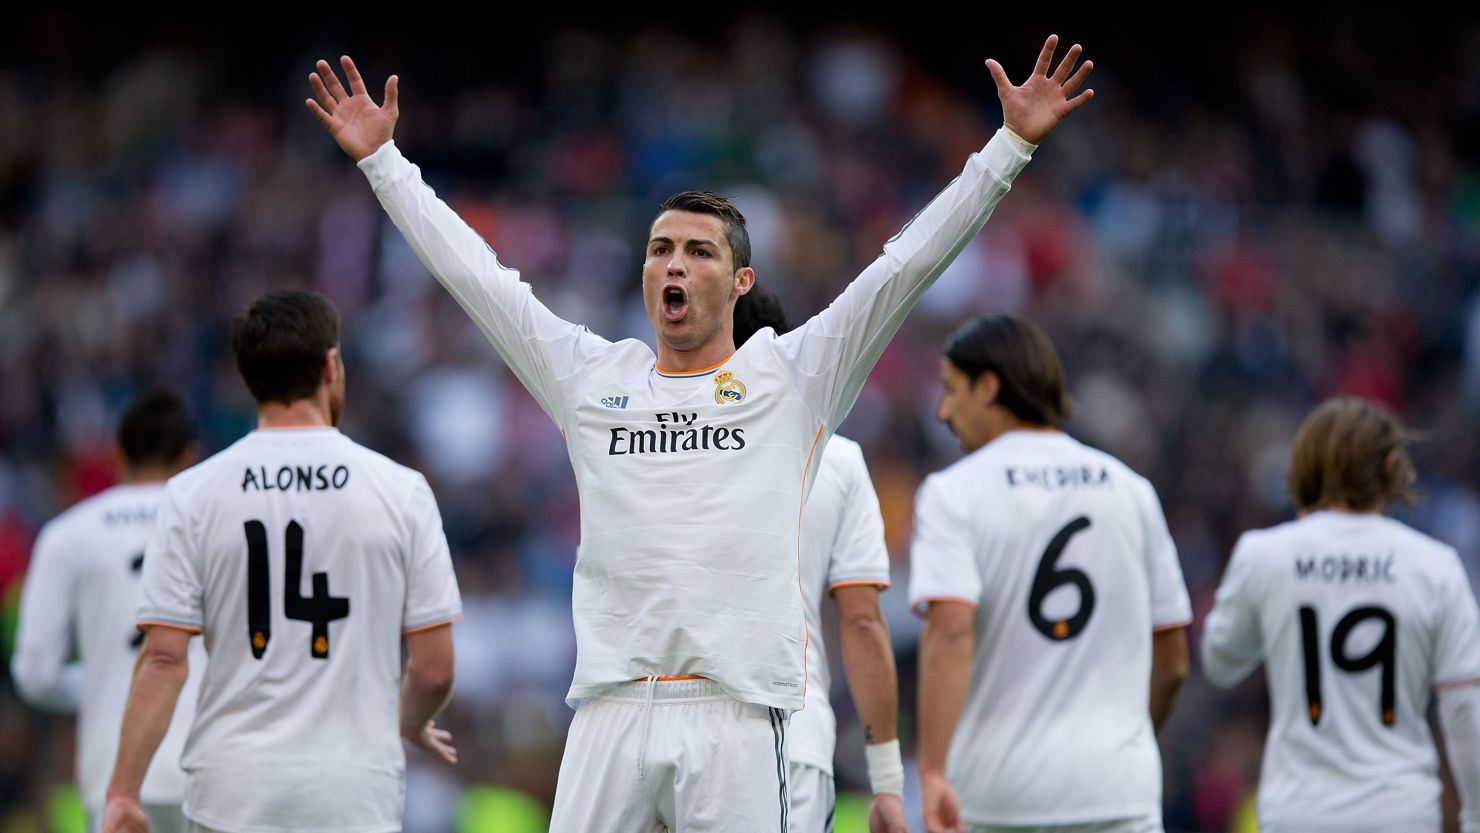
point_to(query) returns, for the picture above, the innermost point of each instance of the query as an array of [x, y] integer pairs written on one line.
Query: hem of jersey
[[160, 622], [1180, 623], [228, 827], [804, 759], [594, 691], [881, 583], [687, 374], [446, 619], [1089, 816], [920, 605]]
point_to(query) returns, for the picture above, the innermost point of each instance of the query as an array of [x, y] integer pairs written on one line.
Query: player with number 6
[[1055, 612]]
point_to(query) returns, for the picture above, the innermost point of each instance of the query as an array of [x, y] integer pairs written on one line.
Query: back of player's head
[[1350, 452], [708, 202], [280, 343], [1027, 366], [755, 310], [155, 428]]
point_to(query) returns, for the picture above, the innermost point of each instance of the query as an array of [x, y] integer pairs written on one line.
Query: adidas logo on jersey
[[615, 401]]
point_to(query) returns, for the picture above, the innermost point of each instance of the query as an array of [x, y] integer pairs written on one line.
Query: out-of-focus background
[[1258, 210]]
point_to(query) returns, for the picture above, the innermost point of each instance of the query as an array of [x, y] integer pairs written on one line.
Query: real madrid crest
[[727, 389]]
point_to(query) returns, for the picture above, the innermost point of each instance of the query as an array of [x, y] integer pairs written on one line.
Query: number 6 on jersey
[[318, 610]]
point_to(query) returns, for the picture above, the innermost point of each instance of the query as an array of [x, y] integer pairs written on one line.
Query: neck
[[1343, 508], [717, 351], [146, 474], [304, 413], [1003, 422]]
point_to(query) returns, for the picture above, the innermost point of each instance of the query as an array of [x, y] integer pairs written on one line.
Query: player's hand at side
[[1034, 109], [436, 741], [942, 810], [124, 815], [886, 815], [356, 122]]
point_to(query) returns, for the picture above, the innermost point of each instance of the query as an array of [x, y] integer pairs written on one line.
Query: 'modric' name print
[[295, 479], [675, 433]]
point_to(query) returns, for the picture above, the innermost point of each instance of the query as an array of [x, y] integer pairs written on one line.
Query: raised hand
[[356, 122], [1034, 109]]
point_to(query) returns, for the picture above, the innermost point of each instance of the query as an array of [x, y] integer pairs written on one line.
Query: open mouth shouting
[[675, 302]]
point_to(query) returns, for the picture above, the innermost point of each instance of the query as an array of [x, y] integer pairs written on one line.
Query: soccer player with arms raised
[[693, 463], [1055, 613], [1359, 620]]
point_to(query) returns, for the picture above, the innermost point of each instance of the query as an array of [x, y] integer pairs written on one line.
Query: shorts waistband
[[691, 689]]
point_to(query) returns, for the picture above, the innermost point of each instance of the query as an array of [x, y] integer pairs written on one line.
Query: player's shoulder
[[843, 450], [93, 513]]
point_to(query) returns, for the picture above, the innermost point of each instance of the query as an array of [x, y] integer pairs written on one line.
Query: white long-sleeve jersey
[[83, 587], [692, 484]]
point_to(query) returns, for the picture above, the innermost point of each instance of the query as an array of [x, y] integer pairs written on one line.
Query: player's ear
[[744, 280], [987, 386], [332, 367]]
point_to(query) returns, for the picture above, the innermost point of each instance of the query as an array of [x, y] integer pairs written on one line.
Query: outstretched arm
[[539, 347], [356, 122], [836, 349]]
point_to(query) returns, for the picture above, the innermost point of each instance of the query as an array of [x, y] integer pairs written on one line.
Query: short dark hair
[[708, 202], [1350, 452], [1024, 360], [155, 428], [280, 342], [755, 310]]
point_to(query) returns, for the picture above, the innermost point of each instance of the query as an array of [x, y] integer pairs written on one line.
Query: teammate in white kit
[[305, 560], [83, 587], [843, 557], [1359, 620], [1055, 634], [692, 464]]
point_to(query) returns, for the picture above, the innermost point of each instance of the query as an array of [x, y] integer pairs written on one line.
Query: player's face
[[689, 283], [963, 407]]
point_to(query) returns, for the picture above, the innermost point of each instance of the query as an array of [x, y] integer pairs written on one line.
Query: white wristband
[[885, 769]]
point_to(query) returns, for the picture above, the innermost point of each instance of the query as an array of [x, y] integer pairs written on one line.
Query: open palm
[[356, 122], [1035, 108]]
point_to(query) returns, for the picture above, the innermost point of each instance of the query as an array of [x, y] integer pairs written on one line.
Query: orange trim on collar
[[692, 372]]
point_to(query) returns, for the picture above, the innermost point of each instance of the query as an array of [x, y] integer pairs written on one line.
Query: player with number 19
[[1358, 619], [305, 560], [1054, 604]]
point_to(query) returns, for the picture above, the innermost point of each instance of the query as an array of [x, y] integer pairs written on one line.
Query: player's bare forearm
[[426, 689], [946, 648], [159, 674], [868, 661], [1169, 669], [1459, 717]]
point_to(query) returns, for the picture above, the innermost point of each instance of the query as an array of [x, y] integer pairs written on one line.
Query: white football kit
[[83, 587], [691, 484], [1065, 554], [1358, 620], [303, 558], [842, 545]]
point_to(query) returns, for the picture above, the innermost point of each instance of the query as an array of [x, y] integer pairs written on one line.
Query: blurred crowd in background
[[1252, 215]]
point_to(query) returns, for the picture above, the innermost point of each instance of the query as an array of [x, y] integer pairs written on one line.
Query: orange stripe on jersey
[[882, 585], [693, 372], [456, 618], [1454, 685], [146, 625], [1171, 626], [806, 631]]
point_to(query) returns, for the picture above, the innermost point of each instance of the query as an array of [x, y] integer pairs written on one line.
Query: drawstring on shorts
[[647, 722]]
